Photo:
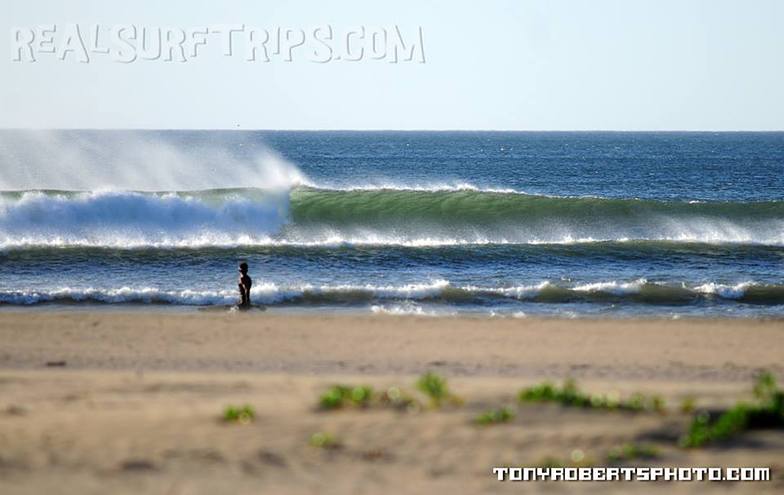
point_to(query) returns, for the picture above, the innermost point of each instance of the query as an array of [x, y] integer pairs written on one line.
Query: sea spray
[[136, 161]]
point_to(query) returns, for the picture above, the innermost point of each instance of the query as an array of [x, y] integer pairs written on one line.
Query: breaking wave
[[410, 217], [397, 299]]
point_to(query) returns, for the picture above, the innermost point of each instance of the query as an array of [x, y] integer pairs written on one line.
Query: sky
[[431, 65]]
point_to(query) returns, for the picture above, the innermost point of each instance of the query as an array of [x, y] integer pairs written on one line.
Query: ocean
[[507, 224]]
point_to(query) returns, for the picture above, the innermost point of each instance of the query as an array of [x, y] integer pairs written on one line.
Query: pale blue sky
[[495, 64]]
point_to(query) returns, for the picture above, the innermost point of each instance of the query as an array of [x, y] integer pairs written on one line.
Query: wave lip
[[400, 298], [455, 186]]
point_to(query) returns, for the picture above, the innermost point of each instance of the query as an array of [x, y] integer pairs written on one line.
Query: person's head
[[243, 267]]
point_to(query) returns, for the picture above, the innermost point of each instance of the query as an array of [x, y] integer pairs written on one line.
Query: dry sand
[[136, 406]]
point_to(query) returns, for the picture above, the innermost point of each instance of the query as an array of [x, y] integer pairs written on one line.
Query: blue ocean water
[[492, 223]]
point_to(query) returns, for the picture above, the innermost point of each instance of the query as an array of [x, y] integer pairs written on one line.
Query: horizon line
[[267, 129]]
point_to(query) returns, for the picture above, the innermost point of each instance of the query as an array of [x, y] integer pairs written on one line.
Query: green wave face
[[512, 217], [479, 208]]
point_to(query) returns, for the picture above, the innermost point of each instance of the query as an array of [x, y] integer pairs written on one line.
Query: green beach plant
[[239, 414], [767, 412], [364, 396], [324, 440], [543, 392], [435, 387], [495, 416], [333, 398], [569, 395], [432, 385], [339, 396], [397, 399], [361, 395]]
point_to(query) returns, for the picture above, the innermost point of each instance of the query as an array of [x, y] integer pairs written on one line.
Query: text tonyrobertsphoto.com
[[632, 473]]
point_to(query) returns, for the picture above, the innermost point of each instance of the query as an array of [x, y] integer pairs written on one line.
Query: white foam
[[613, 287], [130, 219], [410, 291], [457, 186], [409, 308], [724, 291], [516, 292]]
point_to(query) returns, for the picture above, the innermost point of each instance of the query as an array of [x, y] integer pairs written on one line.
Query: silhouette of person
[[245, 284]]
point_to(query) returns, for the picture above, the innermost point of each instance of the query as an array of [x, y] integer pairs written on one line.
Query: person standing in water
[[244, 285]]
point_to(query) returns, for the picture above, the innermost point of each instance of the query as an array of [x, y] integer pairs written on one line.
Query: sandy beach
[[97, 402]]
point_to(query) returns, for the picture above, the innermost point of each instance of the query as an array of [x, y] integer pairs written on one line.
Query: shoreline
[[361, 311]]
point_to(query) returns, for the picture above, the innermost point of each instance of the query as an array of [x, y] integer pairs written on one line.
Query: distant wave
[[397, 298], [404, 216]]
